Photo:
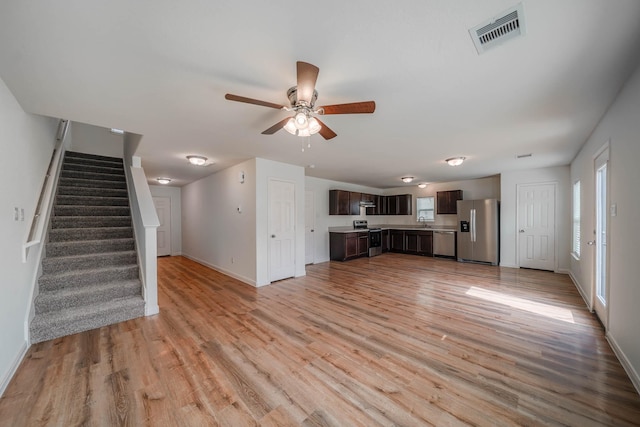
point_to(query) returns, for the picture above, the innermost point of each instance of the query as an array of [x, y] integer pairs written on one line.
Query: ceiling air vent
[[492, 33]]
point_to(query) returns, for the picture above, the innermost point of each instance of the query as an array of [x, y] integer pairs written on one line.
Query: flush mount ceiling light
[[407, 179], [423, 185], [197, 160], [455, 161], [163, 180]]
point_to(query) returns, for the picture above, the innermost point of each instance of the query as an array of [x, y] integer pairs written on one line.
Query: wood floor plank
[[390, 340]]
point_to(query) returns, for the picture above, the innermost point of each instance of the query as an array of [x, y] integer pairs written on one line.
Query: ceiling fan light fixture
[[407, 179], [455, 161], [291, 126], [197, 160], [301, 120], [314, 126]]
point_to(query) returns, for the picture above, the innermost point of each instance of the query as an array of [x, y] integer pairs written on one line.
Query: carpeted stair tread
[[91, 157], [59, 264], [79, 278], [92, 176], [98, 168], [91, 183], [73, 210], [78, 221], [56, 324], [70, 190], [55, 249], [96, 233], [62, 199], [66, 298]]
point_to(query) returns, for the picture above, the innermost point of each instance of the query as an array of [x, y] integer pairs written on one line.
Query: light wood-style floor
[[391, 340]]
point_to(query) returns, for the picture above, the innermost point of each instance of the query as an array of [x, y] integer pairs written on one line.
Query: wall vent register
[[508, 25]]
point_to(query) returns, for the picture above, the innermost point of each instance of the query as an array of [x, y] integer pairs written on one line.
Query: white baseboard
[[626, 364], [509, 265], [580, 291], [151, 310], [6, 379], [222, 270]]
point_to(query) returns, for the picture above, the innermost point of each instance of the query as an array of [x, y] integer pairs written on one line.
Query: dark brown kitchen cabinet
[[354, 203], [447, 202], [345, 246], [363, 244], [404, 204], [414, 242], [397, 241], [385, 240], [339, 202]]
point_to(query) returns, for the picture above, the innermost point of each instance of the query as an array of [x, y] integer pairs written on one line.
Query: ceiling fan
[[302, 98]]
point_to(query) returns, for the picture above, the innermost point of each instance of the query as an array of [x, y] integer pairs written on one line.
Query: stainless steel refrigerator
[[479, 231]]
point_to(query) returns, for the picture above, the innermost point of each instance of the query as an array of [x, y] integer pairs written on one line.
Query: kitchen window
[[425, 207], [576, 220]]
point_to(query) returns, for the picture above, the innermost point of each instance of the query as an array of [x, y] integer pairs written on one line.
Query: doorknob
[[273, 236], [591, 242], [312, 231], [522, 231]]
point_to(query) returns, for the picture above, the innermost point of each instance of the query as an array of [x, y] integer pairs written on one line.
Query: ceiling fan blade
[[231, 97], [352, 108], [275, 128], [307, 76], [325, 131]]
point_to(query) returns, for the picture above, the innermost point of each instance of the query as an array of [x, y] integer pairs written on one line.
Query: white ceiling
[[161, 68]]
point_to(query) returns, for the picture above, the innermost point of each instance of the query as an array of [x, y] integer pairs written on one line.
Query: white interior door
[[309, 226], [536, 226], [601, 237], [163, 209], [282, 231]]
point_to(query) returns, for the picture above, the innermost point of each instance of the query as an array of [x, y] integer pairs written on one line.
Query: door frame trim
[[555, 220], [606, 147]]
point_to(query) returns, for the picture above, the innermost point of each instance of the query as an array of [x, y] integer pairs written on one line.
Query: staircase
[[90, 275]]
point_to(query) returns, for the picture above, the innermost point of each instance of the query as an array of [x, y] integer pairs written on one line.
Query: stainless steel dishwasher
[[444, 243]]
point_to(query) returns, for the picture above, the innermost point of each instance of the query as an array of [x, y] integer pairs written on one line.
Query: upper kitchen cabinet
[[447, 201], [343, 202], [339, 202], [400, 204]]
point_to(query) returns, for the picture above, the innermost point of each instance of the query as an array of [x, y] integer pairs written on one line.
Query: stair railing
[[38, 222]]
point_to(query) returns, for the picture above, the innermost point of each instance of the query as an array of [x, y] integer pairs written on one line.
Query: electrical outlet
[[21, 214]]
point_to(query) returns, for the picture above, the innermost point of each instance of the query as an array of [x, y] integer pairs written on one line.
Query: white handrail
[[38, 223]]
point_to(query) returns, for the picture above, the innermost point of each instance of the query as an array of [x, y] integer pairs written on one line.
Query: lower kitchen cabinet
[[396, 238], [344, 246], [419, 242], [385, 241]]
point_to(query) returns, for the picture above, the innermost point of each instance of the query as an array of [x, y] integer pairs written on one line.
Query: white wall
[[484, 188], [175, 195], [95, 140], [509, 219], [213, 232], [27, 142], [266, 170], [620, 126]]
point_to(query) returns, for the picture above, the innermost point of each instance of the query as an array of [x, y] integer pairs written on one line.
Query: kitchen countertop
[[347, 229]]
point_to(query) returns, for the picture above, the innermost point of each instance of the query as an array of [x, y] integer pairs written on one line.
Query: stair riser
[[91, 158], [46, 303], [90, 222], [50, 330], [89, 191], [91, 201], [92, 176], [64, 210], [79, 279], [88, 183], [59, 265], [72, 234], [88, 247]]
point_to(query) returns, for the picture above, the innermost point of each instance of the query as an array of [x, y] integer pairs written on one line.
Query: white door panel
[[281, 230], [536, 226]]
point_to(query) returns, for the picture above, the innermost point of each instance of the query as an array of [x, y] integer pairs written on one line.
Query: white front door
[[282, 233], [601, 261], [163, 209], [536, 226], [309, 227]]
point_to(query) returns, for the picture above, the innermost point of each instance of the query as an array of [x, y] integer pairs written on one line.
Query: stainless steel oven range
[[375, 236]]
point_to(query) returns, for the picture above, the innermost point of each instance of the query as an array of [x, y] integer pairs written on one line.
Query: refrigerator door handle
[[473, 225]]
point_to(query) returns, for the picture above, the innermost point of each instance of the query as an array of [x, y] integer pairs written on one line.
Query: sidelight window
[[576, 219]]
